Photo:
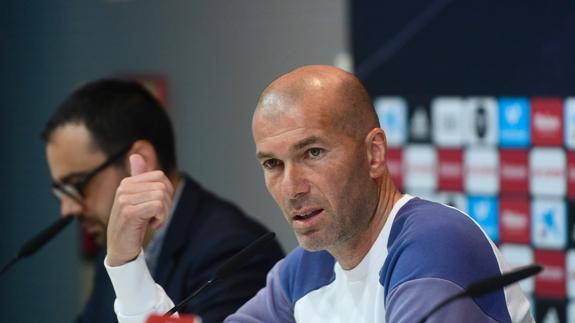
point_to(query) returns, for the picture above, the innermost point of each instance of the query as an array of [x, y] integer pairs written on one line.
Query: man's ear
[[148, 152], [376, 145]]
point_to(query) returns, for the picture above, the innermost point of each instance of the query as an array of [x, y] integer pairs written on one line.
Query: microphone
[[38, 241], [229, 267], [485, 286]]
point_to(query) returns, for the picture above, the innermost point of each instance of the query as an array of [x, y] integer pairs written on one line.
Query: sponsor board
[[448, 114], [514, 170], [481, 170], [419, 122], [450, 169], [482, 121], [547, 121], [548, 223], [514, 122], [420, 168], [484, 210], [515, 220], [550, 283], [547, 168], [392, 114]]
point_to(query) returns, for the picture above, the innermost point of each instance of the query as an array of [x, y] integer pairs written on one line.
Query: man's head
[[88, 139], [318, 140]]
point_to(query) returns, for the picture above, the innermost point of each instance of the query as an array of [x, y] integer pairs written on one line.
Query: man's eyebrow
[[305, 142], [71, 176], [263, 155], [297, 146]]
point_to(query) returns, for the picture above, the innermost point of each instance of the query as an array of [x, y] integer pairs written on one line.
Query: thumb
[[138, 165]]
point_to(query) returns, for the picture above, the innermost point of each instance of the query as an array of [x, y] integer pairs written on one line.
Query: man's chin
[[99, 239], [309, 243], [97, 236], [96, 231]]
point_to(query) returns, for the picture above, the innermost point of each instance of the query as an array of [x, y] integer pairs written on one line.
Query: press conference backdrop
[[478, 102]]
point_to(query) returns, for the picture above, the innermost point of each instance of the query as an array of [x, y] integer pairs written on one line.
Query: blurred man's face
[[71, 155]]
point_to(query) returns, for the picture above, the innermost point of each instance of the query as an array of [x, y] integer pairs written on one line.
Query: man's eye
[[315, 152], [271, 163]]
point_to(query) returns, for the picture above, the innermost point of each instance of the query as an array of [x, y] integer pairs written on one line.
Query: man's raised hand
[[142, 200]]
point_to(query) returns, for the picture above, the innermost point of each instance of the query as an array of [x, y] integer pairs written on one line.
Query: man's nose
[[294, 184], [69, 206]]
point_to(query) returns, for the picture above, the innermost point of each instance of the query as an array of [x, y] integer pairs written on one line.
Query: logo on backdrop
[[514, 130], [484, 210], [447, 116], [481, 170], [450, 169], [547, 171], [550, 283], [514, 170], [392, 114], [419, 123], [547, 121], [481, 121], [549, 223], [515, 220], [420, 168]]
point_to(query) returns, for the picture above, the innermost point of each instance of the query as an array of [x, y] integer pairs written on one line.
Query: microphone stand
[[228, 268]]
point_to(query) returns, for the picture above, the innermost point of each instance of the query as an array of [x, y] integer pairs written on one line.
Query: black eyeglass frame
[[75, 190]]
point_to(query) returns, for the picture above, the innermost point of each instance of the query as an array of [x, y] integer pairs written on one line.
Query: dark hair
[[117, 113]]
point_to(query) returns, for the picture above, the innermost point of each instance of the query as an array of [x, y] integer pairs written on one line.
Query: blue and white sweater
[[425, 253]]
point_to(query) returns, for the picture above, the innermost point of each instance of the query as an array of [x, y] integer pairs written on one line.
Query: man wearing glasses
[[88, 141]]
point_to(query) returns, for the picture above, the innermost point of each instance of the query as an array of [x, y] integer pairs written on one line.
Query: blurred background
[[477, 99]]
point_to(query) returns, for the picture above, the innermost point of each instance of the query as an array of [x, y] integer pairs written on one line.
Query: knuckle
[[124, 182], [162, 185], [122, 199], [158, 174], [158, 206], [122, 190]]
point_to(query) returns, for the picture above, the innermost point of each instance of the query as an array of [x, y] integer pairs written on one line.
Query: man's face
[[318, 176], [71, 155]]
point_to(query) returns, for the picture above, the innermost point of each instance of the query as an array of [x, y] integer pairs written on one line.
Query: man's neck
[[350, 255]]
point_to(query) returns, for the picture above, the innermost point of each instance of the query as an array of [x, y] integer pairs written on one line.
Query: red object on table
[[182, 319]]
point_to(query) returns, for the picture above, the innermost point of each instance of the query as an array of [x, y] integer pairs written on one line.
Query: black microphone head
[[493, 283], [43, 237], [487, 285], [239, 259]]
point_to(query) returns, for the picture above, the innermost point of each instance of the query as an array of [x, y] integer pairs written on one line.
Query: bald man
[[367, 252]]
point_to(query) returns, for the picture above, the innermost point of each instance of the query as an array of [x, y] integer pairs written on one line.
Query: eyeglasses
[[75, 188]]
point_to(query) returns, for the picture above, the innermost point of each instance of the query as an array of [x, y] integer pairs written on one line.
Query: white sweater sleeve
[[137, 295]]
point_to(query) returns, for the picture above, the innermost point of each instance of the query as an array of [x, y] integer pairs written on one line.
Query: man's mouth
[[305, 216], [91, 227]]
